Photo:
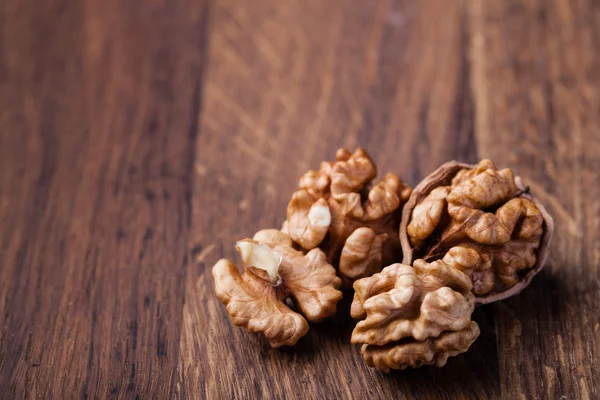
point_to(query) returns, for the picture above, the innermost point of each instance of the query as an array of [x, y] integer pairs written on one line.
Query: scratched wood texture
[[140, 140]]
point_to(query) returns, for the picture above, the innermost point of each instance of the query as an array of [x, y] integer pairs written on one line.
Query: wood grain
[[130, 163], [98, 111]]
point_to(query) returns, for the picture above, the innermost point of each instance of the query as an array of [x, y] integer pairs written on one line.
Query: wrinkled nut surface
[[354, 223], [274, 272], [432, 351], [481, 221], [413, 316]]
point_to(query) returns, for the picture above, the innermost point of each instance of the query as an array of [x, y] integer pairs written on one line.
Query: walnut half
[[481, 221], [338, 210], [413, 316], [274, 272]]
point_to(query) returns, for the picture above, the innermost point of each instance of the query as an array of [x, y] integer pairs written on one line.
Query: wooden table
[[140, 139]]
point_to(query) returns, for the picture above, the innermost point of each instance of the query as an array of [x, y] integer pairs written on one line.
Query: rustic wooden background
[[140, 139]]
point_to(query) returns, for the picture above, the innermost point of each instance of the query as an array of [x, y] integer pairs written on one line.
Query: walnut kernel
[[274, 272], [413, 316], [355, 224]]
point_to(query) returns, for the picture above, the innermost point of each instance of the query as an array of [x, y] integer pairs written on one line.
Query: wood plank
[[288, 83], [98, 110], [535, 80]]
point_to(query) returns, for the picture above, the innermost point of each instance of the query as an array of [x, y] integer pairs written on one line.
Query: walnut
[[483, 222], [274, 273], [413, 316], [356, 224]]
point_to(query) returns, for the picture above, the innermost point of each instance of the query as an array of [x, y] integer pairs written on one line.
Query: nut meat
[[432, 351], [481, 221], [274, 272], [413, 316], [334, 209]]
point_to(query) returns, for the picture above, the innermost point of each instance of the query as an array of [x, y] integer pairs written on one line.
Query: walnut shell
[[354, 223], [413, 316], [482, 221], [275, 272]]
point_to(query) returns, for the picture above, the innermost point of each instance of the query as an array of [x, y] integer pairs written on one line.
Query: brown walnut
[[413, 316], [275, 272], [481, 221], [338, 210]]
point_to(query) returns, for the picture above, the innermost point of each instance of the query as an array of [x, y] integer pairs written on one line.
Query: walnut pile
[[275, 272], [413, 316], [467, 234], [354, 223], [481, 221]]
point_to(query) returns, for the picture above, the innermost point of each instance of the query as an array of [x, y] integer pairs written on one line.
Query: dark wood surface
[[140, 139]]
